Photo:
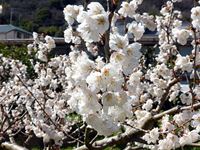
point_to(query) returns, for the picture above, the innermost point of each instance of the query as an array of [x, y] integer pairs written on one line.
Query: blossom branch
[[85, 3], [134, 134], [131, 135], [165, 95], [174, 110], [56, 126]]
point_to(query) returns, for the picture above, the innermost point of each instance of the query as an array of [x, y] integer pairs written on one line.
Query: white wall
[[12, 35], [2, 36], [8, 35]]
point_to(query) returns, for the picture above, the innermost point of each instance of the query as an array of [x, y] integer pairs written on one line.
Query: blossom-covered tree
[[118, 98]]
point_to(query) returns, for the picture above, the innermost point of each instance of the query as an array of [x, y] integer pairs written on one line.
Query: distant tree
[[41, 15], [55, 4], [51, 30]]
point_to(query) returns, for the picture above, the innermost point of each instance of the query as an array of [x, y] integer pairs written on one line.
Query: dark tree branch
[[165, 95]]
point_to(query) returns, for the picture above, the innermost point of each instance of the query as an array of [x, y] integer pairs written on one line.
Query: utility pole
[[16, 11], [11, 15]]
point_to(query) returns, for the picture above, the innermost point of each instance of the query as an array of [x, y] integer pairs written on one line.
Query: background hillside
[[47, 15]]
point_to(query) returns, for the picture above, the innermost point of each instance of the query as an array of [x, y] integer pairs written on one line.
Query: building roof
[[8, 27]]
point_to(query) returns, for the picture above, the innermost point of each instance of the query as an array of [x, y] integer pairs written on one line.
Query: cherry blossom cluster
[[104, 80], [108, 95], [35, 105]]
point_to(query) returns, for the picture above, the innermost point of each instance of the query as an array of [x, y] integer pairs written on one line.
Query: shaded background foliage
[[19, 53]]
